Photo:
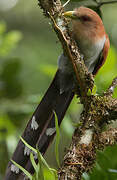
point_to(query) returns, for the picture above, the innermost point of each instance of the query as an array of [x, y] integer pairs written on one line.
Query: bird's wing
[[103, 56]]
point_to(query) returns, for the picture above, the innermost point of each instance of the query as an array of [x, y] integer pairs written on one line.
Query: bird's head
[[85, 22]]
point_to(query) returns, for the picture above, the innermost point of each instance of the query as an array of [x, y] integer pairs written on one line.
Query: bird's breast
[[91, 51]]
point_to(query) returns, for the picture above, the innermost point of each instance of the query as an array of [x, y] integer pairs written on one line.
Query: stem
[[66, 3]]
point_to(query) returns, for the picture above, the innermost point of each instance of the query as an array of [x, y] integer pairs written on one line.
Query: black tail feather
[[40, 128]]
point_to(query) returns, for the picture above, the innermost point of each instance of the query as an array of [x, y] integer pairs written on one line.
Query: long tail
[[41, 127]]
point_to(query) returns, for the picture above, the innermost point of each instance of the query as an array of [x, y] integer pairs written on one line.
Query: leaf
[[33, 162], [36, 151], [68, 126], [54, 173], [36, 167], [77, 124], [50, 175], [93, 92], [42, 164], [40, 172], [89, 93], [45, 169], [57, 140], [42, 159], [94, 89], [30, 147], [22, 169], [115, 93]]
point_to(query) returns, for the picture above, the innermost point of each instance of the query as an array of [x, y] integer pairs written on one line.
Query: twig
[[66, 3], [111, 88]]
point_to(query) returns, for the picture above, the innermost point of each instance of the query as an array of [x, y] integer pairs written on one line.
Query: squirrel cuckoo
[[89, 33]]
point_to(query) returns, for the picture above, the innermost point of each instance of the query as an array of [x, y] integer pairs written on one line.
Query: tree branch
[[81, 156], [89, 137]]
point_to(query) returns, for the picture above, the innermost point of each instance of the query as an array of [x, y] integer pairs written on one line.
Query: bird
[[89, 33], [90, 36]]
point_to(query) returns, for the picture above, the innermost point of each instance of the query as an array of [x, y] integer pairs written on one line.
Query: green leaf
[[115, 93], [22, 169], [57, 140], [54, 173], [94, 89], [93, 92], [40, 172], [36, 167], [42, 164], [89, 93], [30, 147], [77, 124], [33, 162], [50, 175], [42, 159], [45, 169]]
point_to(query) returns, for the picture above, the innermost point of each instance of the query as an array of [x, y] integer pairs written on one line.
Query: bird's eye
[[85, 18]]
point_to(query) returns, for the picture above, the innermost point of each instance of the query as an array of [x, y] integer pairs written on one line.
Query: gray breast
[[91, 53]]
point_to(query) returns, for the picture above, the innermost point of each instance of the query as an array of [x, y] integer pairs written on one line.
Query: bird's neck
[[90, 44], [87, 33]]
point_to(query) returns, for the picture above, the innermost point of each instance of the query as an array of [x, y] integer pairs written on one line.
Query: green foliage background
[[28, 60]]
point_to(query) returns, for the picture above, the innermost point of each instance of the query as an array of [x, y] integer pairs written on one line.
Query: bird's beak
[[69, 14]]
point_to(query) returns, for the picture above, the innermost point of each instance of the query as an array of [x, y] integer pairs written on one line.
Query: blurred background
[[28, 60]]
